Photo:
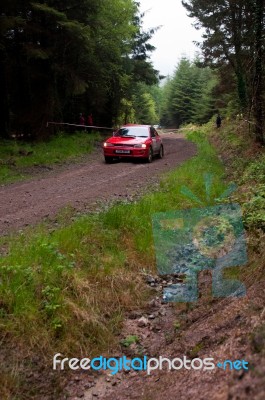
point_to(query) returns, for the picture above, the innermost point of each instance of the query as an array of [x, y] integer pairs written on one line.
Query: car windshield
[[132, 131]]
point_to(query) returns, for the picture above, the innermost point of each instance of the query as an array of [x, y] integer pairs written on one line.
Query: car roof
[[136, 125]]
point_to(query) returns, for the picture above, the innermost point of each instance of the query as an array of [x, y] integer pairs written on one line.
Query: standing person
[[218, 121], [90, 119], [81, 119]]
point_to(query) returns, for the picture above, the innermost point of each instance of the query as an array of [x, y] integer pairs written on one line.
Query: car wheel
[[108, 159], [161, 152], [150, 155]]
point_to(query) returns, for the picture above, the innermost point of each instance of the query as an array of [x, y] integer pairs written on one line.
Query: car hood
[[126, 141]]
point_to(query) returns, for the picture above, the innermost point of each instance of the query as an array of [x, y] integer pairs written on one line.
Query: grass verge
[[17, 158], [67, 290], [244, 161]]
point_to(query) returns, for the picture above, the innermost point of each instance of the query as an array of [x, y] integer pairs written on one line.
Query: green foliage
[[234, 38], [68, 288], [176, 325], [203, 101], [135, 219], [131, 339], [256, 171], [16, 157], [182, 92], [145, 106], [165, 111], [126, 112], [49, 11], [188, 96], [59, 59], [85, 275], [142, 106], [254, 208], [247, 167], [194, 351]]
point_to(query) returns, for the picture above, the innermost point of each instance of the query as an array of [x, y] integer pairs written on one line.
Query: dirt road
[[80, 186]]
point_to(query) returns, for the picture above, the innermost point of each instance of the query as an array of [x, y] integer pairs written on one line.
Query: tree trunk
[[236, 11], [258, 77], [4, 107]]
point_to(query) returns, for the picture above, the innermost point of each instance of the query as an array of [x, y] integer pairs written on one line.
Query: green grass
[[136, 218], [246, 162], [67, 289], [17, 157], [44, 272]]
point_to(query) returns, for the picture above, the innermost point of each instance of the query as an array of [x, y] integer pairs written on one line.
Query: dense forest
[[232, 66], [59, 59]]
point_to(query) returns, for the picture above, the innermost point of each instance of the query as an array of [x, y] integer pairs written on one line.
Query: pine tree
[[59, 58], [230, 30]]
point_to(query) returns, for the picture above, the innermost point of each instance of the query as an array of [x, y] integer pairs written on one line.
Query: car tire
[[108, 159], [150, 155], [161, 152]]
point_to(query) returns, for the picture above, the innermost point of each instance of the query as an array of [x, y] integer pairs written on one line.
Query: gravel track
[[81, 185]]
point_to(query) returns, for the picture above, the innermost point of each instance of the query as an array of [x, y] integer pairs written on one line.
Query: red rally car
[[136, 141]]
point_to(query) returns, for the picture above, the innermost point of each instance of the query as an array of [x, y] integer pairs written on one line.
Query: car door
[[156, 140]]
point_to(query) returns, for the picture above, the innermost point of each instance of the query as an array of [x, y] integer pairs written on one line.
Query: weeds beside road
[[20, 159], [67, 290]]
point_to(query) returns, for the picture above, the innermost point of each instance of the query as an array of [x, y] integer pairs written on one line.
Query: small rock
[[149, 279], [142, 322], [151, 316], [88, 385], [156, 328]]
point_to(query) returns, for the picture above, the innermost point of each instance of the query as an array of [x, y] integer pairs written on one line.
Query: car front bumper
[[125, 152]]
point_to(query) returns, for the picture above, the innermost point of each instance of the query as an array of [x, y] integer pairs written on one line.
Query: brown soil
[[82, 186], [221, 329]]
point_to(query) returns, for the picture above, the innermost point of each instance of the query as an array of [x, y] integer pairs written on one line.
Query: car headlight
[[140, 146], [106, 144]]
